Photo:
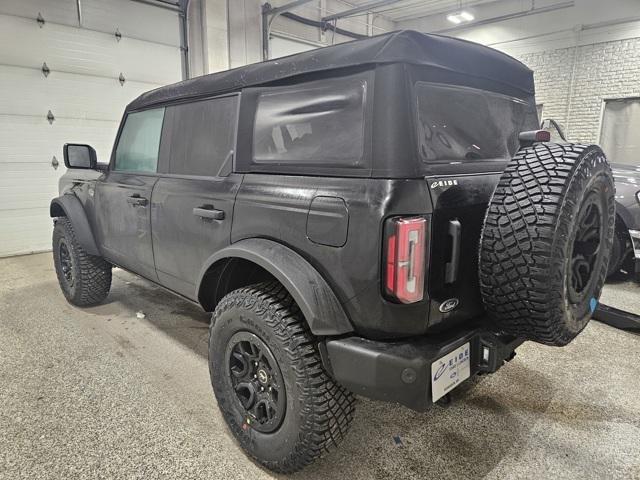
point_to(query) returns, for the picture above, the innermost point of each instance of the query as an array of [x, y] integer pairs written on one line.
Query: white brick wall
[[602, 70]]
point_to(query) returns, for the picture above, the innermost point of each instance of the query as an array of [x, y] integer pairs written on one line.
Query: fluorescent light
[[460, 17]]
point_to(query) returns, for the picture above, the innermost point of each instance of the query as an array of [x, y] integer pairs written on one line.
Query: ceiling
[[400, 10]]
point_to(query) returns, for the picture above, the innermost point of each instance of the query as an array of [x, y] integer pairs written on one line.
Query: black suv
[[379, 217]]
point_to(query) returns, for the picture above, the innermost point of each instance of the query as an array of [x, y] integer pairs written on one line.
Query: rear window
[[465, 124], [320, 123]]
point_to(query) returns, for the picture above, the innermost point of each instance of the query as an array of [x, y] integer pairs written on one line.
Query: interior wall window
[[137, 149], [315, 124], [203, 135], [619, 134]]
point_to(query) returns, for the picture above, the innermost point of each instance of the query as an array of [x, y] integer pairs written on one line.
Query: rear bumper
[[401, 371]]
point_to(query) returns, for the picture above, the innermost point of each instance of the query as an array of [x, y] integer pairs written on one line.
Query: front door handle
[[137, 201], [207, 211]]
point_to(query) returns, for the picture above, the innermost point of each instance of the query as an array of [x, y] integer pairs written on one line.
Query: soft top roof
[[405, 46]]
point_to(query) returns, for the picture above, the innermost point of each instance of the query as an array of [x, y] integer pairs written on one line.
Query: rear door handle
[[137, 201], [451, 269], [207, 211]]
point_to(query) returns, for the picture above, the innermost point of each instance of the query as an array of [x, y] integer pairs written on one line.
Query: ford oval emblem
[[449, 305]]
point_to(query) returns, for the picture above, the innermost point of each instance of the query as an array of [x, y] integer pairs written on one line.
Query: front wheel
[[268, 378], [85, 279]]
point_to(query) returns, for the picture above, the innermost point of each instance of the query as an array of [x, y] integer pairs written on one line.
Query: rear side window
[[320, 123], [465, 124], [202, 136], [138, 145]]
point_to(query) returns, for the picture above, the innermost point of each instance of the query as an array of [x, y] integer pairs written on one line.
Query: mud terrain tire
[[85, 279], [259, 340], [546, 241]]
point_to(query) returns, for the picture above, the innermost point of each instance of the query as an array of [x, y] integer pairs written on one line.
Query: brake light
[[405, 254]]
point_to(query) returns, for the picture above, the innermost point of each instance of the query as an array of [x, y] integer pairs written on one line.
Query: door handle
[[207, 211], [137, 201], [451, 269]]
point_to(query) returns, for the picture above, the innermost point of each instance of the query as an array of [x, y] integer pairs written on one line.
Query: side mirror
[[77, 155], [554, 128]]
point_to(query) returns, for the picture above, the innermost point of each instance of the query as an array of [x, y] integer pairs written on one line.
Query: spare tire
[[546, 241]]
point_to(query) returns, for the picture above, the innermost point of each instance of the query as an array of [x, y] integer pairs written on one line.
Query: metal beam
[[359, 9], [269, 14]]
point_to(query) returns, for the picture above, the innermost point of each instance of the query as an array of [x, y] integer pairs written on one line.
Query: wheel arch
[[254, 260], [68, 205], [623, 215]]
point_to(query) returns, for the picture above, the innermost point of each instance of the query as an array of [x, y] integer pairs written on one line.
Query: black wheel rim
[[586, 249], [66, 264], [256, 381]]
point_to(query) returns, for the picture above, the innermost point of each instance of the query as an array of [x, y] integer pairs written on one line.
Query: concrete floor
[[99, 393]]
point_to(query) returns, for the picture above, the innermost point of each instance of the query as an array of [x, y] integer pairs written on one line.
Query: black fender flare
[[313, 295], [69, 206]]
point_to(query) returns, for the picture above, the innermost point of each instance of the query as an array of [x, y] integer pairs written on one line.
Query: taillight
[[405, 258]]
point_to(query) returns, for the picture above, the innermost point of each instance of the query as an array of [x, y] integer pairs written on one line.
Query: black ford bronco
[[380, 218]]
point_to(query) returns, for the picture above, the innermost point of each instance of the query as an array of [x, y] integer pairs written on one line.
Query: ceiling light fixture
[[460, 17]]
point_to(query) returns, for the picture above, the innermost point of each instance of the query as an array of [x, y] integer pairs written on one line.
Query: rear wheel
[[546, 241], [268, 378], [85, 279]]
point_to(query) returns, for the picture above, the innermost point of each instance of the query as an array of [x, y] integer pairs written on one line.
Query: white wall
[[217, 32], [228, 33], [580, 55], [572, 83], [317, 9]]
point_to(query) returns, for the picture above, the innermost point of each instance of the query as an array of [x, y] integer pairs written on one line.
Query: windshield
[[458, 124]]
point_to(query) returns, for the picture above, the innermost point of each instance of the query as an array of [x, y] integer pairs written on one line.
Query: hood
[[626, 174], [627, 180]]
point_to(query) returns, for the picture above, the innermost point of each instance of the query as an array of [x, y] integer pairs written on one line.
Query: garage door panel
[[42, 191], [160, 24], [65, 94], [27, 146], [53, 11], [82, 91], [25, 231], [31, 139], [28, 185], [86, 52]]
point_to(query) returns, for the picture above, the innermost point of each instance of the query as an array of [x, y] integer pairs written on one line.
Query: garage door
[[281, 47], [98, 58]]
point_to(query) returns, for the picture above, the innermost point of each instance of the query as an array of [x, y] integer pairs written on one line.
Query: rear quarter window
[[459, 124], [318, 124]]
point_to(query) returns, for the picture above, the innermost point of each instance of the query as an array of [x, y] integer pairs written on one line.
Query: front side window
[[315, 124], [466, 124], [139, 142]]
